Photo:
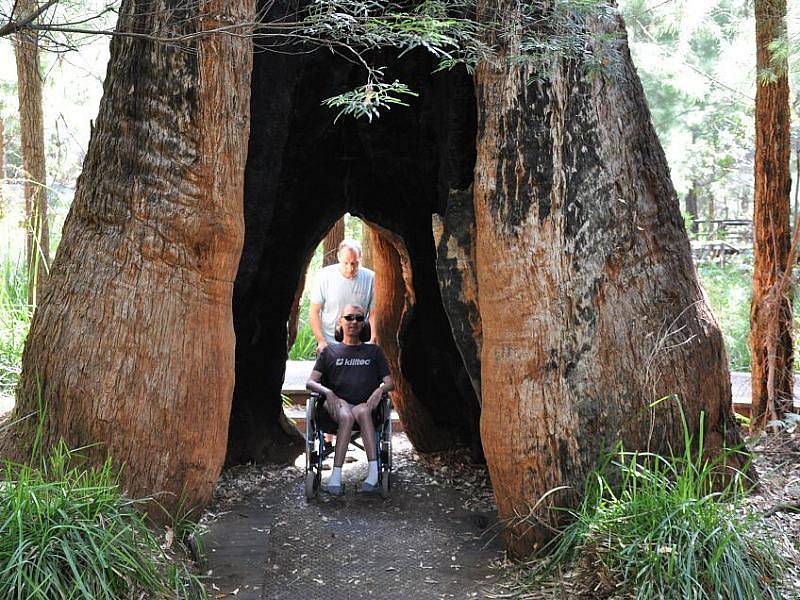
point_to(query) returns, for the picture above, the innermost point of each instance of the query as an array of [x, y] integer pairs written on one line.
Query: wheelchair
[[319, 422]]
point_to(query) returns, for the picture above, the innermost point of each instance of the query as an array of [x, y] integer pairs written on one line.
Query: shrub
[[68, 532], [305, 344]]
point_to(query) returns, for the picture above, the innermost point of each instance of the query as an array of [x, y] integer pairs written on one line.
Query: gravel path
[[431, 539]]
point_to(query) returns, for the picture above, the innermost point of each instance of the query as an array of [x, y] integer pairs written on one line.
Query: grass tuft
[[68, 532], [14, 319], [659, 527]]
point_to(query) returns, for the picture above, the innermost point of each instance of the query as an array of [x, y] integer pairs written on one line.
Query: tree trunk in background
[[691, 206], [132, 344], [711, 209], [366, 246], [31, 128], [771, 306], [2, 166], [588, 299], [330, 245]]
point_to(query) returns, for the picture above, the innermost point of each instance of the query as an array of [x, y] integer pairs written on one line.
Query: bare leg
[[345, 419], [363, 415]]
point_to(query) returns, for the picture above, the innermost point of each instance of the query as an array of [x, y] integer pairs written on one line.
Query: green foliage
[[305, 344], [67, 531], [695, 61], [655, 527], [448, 30], [368, 100]]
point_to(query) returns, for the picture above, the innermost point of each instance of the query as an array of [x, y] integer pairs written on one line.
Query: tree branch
[[13, 25]]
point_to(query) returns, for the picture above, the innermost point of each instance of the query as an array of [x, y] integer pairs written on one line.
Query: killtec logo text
[[353, 362]]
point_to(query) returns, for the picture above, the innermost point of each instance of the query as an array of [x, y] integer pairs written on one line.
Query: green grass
[[67, 532], [654, 527], [14, 319]]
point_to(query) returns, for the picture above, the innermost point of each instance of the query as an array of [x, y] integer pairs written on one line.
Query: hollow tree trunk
[[771, 306], [589, 304], [395, 295], [132, 344], [454, 233], [330, 245], [31, 129]]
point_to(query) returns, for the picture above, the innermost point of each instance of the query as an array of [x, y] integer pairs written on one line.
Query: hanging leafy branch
[[448, 30]]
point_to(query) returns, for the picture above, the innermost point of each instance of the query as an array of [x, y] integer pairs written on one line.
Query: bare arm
[[387, 385], [315, 321], [332, 401]]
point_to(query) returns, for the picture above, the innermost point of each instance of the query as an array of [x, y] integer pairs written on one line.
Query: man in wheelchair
[[352, 377]]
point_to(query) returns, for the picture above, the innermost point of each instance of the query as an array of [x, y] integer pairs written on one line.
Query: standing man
[[337, 286]]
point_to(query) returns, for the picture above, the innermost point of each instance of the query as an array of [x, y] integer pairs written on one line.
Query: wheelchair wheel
[[385, 450], [386, 485], [313, 474], [312, 485]]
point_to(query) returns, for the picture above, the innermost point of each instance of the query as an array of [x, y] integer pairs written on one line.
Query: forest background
[[696, 61]]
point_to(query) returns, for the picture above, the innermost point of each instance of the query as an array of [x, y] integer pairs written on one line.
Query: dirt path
[[434, 538]]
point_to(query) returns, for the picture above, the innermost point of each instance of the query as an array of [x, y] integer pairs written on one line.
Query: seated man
[[352, 376]]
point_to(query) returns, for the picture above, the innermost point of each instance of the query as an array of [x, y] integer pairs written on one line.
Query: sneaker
[[333, 490], [368, 488]]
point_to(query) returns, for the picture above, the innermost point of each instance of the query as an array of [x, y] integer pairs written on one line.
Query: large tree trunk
[[330, 245], [771, 306], [132, 345], [31, 127], [589, 303]]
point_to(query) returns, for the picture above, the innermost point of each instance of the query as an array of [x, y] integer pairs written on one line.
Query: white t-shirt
[[333, 291]]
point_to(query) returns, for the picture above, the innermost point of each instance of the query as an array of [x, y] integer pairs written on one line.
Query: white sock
[[372, 477], [336, 476]]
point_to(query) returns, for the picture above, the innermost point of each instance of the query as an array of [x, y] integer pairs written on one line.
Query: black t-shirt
[[352, 372]]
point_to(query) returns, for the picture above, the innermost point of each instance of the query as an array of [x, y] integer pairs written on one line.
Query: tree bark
[[330, 245], [132, 346], [395, 296], [31, 127], [771, 306], [367, 244], [589, 303], [454, 233]]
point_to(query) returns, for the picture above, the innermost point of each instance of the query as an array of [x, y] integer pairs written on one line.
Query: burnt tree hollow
[[304, 170]]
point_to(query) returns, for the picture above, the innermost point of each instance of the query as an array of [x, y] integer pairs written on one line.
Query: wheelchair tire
[[312, 485], [386, 485]]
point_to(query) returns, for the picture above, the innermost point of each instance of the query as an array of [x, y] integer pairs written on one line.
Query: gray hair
[[353, 245]]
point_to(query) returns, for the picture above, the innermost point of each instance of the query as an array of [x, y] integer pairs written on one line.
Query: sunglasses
[[358, 318]]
